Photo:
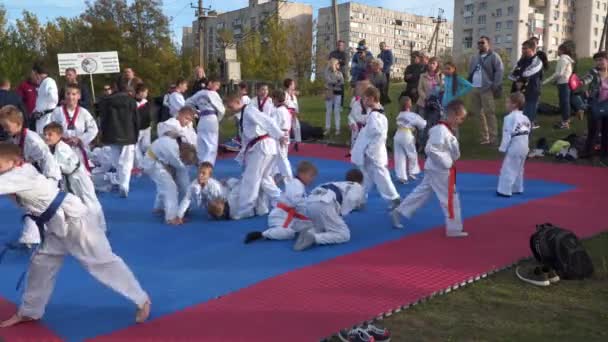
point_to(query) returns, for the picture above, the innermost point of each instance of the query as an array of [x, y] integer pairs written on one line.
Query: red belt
[[451, 191], [360, 125], [85, 157], [292, 111], [291, 214]]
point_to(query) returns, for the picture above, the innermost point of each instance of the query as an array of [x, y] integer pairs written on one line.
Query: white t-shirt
[[477, 75]]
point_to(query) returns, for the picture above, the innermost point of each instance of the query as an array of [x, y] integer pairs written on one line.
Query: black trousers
[[595, 127]]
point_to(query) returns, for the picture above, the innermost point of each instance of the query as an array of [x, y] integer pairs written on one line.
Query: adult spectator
[[71, 78], [561, 77], [333, 93], [128, 77], [485, 73], [597, 121], [360, 63], [540, 53], [28, 92], [8, 97], [47, 98], [387, 58], [199, 82], [527, 77], [378, 79], [412, 76], [342, 56], [120, 129]]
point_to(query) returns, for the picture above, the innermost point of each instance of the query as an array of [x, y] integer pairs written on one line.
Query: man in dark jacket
[[527, 78], [8, 97], [71, 78], [412, 76], [386, 55], [120, 129]]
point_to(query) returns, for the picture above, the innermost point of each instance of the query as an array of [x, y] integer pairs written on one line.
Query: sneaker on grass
[[378, 333], [533, 275], [355, 335]]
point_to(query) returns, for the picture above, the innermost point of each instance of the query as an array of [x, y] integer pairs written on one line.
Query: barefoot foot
[[16, 319], [143, 312]]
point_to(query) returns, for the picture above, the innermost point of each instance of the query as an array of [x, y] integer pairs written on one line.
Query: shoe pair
[[367, 333], [537, 275]]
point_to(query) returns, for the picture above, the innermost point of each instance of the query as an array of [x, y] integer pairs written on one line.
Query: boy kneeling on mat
[[65, 228]]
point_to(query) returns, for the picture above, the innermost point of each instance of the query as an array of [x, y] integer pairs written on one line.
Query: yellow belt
[[405, 129], [152, 155]]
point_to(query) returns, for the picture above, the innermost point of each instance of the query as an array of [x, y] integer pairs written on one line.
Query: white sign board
[[87, 63]]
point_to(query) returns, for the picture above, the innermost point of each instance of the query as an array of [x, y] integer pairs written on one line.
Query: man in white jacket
[[561, 77]]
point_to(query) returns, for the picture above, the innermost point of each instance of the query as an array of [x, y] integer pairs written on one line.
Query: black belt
[[519, 134]]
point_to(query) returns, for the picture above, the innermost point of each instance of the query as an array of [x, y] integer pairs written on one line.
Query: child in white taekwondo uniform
[[515, 132], [66, 228], [262, 101], [442, 151], [33, 148], [358, 114], [203, 190], [166, 163], [260, 134], [284, 120], [76, 179], [179, 126], [47, 96], [291, 101], [287, 216], [369, 152], [404, 146], [79, 126], [244, 92], [227, 207], [211, 112], [326, 207], [176, 100]]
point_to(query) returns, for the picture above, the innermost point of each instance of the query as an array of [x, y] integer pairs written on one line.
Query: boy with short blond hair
[[203, 190]]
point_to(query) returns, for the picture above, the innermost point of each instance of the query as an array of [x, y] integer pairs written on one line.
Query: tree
[[300, 47], [249, 53], [225, 38], [276, 62]]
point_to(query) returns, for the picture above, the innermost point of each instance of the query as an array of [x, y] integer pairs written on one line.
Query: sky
[[181, 14]]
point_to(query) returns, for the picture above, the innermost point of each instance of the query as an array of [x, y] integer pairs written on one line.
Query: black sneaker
[[296, 147], [533, 275], [355, 335], [551, 274], [378, 333], [253, 236]]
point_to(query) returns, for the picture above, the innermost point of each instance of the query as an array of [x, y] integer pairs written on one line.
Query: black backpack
[[561, 250]]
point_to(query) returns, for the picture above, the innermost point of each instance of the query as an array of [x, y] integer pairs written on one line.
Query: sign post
[[89, 63]]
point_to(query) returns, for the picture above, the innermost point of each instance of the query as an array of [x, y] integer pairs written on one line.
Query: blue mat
[[202, 260]]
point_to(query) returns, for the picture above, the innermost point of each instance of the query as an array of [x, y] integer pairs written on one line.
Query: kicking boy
[[65, 228], [211, 112], [262, 101], [259, 135], [515, 132], [404, 146], [326, 206], [288, 212], [202, 190], [442, 151], [33, 149], [76, 179], [179, 126], [358, 113], [284, 120], [165, 162], [79, 126], [369, 152]]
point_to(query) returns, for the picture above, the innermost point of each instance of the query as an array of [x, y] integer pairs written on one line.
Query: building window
[[469, 8], [556, 27], [509, 24], [498, 39], [510, 10], [595, 31], [498, 26], [509, 51], [468, 42], [597, 18], [598, 4], [555, 41], [468, 21], [483, 5], [481, 20], [508, 38], [499, 12], [595, 44]]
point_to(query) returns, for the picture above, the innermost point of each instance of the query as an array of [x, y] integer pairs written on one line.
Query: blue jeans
[[564, 100], [531, 107]]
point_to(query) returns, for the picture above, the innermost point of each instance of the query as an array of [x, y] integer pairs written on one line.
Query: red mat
[[315, 302]]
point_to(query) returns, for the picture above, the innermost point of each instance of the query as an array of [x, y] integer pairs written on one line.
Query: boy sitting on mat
[[288, 213], [442, 151]]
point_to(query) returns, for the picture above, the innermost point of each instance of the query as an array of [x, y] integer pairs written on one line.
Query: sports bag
[[574, 82], [561, 250]]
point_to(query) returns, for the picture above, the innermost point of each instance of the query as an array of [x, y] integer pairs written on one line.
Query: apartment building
[[402, 32], [242, 20], [508, 23]]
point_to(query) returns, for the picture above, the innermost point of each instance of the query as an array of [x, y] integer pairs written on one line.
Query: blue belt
[[335, 190], [207, 112], [40, 221]]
